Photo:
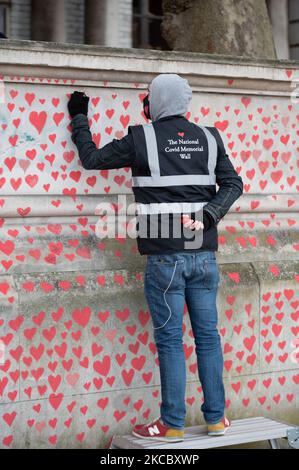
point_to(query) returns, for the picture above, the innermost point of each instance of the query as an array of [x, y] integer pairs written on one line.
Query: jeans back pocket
[[164, 272]]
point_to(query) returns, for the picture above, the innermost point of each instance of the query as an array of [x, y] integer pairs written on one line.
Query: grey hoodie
[[169, 94]]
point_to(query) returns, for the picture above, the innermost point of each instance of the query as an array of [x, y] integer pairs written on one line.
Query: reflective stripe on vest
[[169, 207], [174, 180]]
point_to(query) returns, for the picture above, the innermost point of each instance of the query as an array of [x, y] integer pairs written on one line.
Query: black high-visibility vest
[[174, 174]]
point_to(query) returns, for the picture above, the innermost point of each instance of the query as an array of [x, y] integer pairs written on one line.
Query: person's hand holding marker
[[190, 223], [205, 225]]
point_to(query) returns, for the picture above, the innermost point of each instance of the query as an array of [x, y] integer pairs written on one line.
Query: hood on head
[[169, 94]]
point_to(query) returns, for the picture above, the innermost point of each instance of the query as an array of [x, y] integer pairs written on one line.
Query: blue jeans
[[171, 280]]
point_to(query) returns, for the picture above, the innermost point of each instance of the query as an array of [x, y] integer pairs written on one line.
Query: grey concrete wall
[[78, 360]]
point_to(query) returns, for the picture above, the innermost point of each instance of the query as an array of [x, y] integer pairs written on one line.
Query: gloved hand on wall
[[78, 103]]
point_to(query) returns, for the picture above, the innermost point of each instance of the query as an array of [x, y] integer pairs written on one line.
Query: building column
[[48, 20], [119, 23], [278, 12], [95, 21], [108, 22]]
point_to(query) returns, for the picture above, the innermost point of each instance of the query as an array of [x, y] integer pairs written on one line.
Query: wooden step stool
[[241, 431]]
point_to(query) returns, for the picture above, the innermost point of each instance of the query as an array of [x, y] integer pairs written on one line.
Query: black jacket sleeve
[[116, 154], [229, 182]]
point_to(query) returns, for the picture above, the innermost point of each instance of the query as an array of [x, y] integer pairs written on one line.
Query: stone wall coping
[[17, 56]]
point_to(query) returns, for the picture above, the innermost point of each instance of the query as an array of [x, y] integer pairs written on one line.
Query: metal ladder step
[[242, 431]]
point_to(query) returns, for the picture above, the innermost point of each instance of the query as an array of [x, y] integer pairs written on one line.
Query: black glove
[[78, 103]]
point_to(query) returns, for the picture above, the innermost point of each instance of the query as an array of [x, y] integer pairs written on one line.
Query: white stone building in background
[[122, 23]]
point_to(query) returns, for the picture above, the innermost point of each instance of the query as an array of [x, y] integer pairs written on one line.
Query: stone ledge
[[180, 56]]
